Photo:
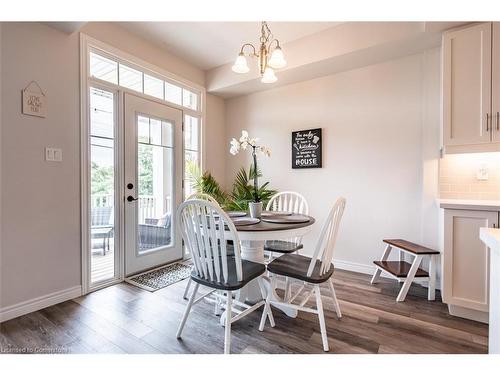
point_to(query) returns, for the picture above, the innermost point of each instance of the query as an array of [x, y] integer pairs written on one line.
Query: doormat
[[162, 277]]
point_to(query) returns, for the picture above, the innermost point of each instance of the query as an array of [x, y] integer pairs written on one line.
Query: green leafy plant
[[205, 183], [242, 190]]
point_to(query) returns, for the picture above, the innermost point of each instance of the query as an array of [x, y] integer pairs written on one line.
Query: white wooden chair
[[312, 271], [206, 197], [203, 227], [288, 201]]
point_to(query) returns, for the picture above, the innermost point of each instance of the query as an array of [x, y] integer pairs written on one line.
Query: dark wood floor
[[125, 319]]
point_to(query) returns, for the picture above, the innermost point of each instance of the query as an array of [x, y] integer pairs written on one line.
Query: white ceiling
[[211, 44]]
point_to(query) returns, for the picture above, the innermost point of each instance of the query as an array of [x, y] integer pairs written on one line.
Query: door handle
[[131, 198]]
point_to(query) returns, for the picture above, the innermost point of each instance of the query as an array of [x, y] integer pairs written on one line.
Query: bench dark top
[[410, 246], [399, 268]]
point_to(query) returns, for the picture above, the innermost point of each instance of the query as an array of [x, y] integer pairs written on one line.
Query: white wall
[[376, 141], [40, 201], [1, 127], [215, 140]]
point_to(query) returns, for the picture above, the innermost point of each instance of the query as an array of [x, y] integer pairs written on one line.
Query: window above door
[[111, 70]]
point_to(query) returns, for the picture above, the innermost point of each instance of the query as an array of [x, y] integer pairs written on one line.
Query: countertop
[[469, 204], [491, 237]]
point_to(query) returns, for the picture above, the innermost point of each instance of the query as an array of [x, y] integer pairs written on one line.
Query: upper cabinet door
[[467, 86], [495, 96]]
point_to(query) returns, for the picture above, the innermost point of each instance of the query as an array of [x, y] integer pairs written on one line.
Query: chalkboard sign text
[[306, 149]]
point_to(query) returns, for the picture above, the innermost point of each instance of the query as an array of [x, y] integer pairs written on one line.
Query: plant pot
[[255, 209]]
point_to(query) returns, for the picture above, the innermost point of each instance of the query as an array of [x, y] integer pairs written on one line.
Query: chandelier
[[266, 64]]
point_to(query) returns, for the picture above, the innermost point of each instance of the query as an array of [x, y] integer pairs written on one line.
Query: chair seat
[[296, 266], [251, 270], [283, 247]]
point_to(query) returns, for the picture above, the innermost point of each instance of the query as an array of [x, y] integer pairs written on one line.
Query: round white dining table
[[252, 239]]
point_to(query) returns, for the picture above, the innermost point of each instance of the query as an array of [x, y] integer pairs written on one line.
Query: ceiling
[[211, 44]]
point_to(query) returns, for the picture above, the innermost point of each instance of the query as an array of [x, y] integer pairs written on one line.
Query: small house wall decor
[[306, 149], [34, 102]]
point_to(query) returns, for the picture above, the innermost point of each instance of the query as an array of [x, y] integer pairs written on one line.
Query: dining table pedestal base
[[254, 252]]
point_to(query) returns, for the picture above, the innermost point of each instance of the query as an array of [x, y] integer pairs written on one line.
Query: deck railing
[[146, 204]]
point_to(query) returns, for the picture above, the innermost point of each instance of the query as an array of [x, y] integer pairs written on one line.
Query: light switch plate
[[53, 154], [482, 173]]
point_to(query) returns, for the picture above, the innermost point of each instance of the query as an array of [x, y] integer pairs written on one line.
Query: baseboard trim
[[38, 303], [354, 267]]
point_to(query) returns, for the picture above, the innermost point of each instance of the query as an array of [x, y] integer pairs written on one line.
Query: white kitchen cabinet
[[466, 263], [495, 86], [471, 69]]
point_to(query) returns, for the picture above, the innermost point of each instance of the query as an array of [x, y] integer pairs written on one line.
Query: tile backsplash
[[458, 176]]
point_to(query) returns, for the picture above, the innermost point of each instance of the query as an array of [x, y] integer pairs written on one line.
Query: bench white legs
[[409, 278], [378, 271], [431, 293]]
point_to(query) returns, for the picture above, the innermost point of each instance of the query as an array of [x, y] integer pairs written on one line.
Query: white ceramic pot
[[255, 209]]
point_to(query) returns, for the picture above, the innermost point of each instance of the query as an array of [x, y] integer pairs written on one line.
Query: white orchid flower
[[244, 136], [235, 146], [253, 141], [266, 151]]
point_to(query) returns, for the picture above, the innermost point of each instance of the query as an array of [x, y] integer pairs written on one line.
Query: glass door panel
[[153, 157], [155, 184], [191, 152], [102, 185]]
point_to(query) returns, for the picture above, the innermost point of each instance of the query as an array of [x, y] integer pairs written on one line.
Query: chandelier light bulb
[[277, 60], [269, 76], [240, 65], [268, 59]]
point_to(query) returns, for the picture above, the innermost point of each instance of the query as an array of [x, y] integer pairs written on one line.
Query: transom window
[[105, 67], [124, 75]]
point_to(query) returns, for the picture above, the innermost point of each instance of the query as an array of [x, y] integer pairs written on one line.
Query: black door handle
[[131, 198]]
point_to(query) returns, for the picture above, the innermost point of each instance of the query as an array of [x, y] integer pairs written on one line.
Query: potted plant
[[244, 143]]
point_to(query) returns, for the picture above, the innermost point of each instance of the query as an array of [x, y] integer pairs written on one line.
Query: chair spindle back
[[288, 201], [327, 238], [202, 224], [202, 196]]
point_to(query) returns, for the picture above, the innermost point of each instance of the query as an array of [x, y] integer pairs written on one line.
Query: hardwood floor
[[126, 319]]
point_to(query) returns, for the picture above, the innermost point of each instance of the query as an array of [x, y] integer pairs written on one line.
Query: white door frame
[[133, 106], [88, 44]]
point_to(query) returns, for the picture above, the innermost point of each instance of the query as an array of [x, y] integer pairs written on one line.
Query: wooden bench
[[407, 272]]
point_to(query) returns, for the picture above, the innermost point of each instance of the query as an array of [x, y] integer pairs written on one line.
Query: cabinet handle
[[487, 122], [498, 120]]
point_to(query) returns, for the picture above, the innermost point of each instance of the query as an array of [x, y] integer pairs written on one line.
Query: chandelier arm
[[250, 45], [271, 43]]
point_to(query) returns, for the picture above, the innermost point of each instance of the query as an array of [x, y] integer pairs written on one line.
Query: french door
[[153, 183]]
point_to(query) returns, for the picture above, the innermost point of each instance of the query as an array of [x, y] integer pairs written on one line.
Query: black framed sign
[[306, 149]]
